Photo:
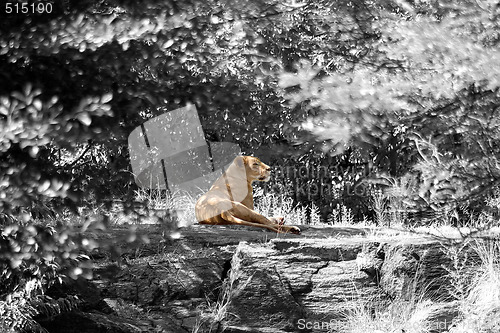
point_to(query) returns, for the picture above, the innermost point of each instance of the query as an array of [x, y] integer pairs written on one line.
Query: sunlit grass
[[278, 204], [405, 308], [480, 306], [414, 316], [217, 313]]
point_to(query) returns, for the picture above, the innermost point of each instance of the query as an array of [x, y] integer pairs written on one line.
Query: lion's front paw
[[277, 220], [289, 229], [294, 230]]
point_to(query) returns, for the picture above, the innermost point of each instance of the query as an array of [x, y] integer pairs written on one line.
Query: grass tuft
[[480, 307]]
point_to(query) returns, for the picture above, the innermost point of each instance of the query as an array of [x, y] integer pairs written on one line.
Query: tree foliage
[[429, 82]]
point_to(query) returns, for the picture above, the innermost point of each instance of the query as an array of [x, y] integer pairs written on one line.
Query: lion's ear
[[240, 161]]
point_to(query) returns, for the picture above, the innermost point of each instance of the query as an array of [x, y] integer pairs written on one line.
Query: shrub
[[32, 258]]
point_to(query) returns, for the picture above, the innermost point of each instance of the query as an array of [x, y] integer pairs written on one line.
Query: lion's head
[[254, 168]]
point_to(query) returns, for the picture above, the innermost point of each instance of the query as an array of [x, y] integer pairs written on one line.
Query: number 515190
[[28, 8]]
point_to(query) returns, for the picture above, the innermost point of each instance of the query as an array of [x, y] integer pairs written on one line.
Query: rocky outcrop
[[321, 280], [211, 279]]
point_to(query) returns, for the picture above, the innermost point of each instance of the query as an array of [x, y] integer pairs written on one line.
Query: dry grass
[[414, 316], [180, 204], [480, 306], [274, 204], [410, 309], [217, 313], [477, 289]]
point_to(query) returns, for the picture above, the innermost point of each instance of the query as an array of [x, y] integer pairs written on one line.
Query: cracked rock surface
[[237, 279]]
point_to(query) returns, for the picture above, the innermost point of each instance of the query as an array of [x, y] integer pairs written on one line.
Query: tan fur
[[230, 199]]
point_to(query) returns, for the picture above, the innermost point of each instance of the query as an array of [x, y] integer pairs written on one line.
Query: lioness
[[230, 199]]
